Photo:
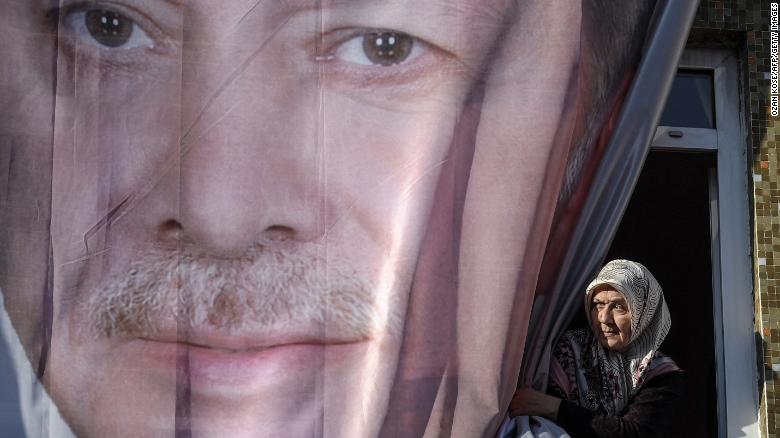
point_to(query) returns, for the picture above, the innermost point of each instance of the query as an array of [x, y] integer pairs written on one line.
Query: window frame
[[730, 231]]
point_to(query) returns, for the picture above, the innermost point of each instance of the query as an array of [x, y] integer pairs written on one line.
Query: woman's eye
[[383, 48], [108, 28]]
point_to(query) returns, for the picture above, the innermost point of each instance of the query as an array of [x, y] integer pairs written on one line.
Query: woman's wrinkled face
[[610, 319]]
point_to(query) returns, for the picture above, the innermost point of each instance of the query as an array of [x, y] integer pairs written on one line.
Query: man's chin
[[150, 388]]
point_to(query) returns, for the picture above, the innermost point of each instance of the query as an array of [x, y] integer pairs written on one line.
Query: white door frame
[[732, 277]]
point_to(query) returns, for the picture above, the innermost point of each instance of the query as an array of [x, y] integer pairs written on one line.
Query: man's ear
[[568, 209]]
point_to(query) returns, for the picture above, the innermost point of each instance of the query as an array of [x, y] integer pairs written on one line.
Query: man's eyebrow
[[447, 7]]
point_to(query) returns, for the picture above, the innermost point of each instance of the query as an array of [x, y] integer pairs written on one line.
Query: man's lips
[[228, 365], [215, 339]]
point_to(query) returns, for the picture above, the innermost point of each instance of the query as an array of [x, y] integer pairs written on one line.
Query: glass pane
[[690, 102]]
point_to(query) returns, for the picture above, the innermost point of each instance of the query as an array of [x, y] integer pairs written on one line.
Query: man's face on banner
[[239, 195]]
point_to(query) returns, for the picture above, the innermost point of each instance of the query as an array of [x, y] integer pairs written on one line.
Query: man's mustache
[[265, 290]]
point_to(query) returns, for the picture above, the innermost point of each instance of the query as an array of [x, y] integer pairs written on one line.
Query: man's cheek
[[27, 96], [144, 136], [24, 250], [111, 131], [387, 161], [373, 142]]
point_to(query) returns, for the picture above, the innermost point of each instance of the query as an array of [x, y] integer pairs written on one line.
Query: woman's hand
[[527, 401]]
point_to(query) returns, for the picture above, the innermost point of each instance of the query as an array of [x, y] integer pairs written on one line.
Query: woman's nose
[[605, 316]]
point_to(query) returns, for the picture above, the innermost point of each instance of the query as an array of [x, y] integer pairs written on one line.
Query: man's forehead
[[445, 7], [458, 10], [459, 7], [453, 6]]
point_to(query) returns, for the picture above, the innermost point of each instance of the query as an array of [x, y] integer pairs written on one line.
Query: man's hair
[[615, 32]]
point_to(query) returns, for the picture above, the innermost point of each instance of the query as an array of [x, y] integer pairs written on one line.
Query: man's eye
[[383, 48], [107, 28]]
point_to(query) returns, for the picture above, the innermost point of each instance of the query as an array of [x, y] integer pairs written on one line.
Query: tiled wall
[[744, 26]]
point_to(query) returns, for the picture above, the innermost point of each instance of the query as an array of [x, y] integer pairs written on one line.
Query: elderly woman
[[611, 380]]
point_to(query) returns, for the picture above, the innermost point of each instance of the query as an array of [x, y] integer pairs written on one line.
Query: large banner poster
[[309, 218]]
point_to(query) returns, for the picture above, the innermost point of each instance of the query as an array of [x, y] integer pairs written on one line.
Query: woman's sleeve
[[649, 414]]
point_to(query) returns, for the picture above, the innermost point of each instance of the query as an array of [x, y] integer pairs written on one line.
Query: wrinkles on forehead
[[618, 296]]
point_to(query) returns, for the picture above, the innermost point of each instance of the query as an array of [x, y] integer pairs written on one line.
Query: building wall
[[743, 25]]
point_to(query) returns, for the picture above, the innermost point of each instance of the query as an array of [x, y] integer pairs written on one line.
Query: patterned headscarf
[[604, 380]]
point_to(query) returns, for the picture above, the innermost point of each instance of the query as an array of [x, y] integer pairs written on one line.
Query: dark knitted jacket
[[650, 413]]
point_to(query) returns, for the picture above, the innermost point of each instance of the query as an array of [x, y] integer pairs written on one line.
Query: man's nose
[[251, 168], [229, 203]]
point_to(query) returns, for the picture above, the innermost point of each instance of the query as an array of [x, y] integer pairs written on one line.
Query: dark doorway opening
[[667, 228]]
